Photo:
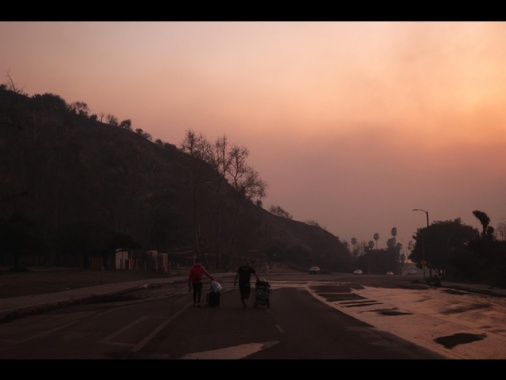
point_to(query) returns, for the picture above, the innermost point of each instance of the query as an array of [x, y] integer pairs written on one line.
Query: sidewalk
[[14, 306], [11, 307], [475, 288]]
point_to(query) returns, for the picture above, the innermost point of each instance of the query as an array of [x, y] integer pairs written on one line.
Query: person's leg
[[242, 292], [247, 291], [199, 293], [194, 286]]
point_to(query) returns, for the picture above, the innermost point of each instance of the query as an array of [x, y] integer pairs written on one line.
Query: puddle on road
[[456, 339], [391, 312]]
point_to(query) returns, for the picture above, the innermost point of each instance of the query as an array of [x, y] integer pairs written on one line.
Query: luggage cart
[[214, 295], [262, 291]]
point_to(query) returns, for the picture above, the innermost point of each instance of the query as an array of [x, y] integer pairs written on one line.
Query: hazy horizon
[[351, 124]]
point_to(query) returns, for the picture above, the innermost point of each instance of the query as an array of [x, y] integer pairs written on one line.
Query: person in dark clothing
[[243, 274]]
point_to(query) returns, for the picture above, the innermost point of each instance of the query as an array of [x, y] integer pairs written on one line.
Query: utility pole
[[195, 229]]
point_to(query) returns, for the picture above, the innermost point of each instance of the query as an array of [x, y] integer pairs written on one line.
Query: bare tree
[[277, 210], [111, 120], [11, 86], [79, 108], [501, 231], [312, 222], [220, 161], [245, 181], [9, 114], [244, 178], [197, 146], [126, 124], [229, 161], [146, 135]]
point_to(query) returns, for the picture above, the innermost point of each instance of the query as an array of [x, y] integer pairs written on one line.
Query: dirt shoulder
[[49, 280]]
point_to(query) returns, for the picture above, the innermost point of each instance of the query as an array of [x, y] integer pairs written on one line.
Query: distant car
[[358, 271], [412, 271], [390, 273], [314, 270]]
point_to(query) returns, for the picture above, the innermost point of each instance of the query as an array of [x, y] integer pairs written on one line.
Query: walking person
[[196, 280], [243, 274]]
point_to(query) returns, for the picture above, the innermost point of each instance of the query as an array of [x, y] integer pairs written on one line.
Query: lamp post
[[423, 245]]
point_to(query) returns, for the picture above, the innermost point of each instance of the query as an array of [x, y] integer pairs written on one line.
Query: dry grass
[[48, 280]]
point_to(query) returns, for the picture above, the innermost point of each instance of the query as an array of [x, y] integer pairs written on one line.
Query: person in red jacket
[[196, 280]]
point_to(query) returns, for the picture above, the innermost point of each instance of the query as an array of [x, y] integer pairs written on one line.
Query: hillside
[[79, 187]]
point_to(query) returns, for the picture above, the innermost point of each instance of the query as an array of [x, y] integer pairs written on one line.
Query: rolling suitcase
[[213, 299]]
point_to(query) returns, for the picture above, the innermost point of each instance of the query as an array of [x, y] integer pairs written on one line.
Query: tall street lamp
[[423, 245], [195, 228]]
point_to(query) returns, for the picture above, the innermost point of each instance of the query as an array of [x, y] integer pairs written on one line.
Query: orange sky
[[351, 124]]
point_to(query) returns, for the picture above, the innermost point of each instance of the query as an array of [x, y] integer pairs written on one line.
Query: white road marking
[[235, 352]]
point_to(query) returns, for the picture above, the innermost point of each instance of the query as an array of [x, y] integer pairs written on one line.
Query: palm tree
[[394, 232], [484, 220], [376, 237]]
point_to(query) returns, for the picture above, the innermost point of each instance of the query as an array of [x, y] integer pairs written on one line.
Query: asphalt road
[[311, 317], [162, 324]]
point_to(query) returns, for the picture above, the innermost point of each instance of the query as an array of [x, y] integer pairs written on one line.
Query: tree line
[[453, 250]]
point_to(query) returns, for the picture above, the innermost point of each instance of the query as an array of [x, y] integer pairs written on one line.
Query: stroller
[[262, 291]]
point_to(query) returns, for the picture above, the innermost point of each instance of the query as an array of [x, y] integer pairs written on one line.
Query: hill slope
[[83, 183]]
